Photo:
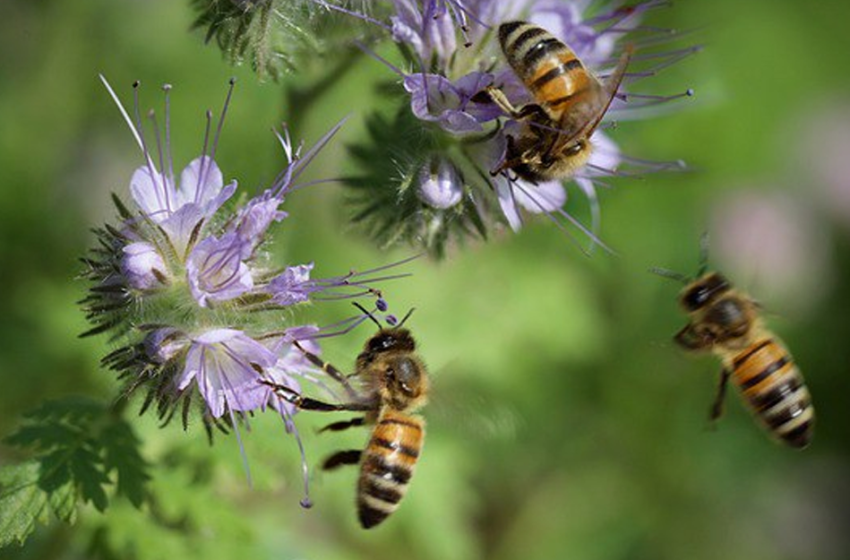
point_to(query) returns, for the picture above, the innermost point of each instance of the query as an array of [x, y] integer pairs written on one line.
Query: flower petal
[[539, 198], [292, 285], [200, 182], [225, 363], [153, 193], [142, 266], [215, 270]]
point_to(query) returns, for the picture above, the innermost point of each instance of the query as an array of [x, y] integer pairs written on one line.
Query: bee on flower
[[501, 105], [180, 278]]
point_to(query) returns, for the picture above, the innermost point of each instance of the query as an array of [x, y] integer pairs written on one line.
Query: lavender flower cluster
[[183, 279], [449, 142], [184, 282]]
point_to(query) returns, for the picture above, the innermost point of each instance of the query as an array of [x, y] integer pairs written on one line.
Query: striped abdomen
[[387, 465], [774, 388], [550, 70]]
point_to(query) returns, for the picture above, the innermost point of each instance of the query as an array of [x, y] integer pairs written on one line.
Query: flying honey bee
[[395, 385], [727, 323], [569, 103]]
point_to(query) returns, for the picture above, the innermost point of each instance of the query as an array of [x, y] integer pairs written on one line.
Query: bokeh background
[[565, 423]]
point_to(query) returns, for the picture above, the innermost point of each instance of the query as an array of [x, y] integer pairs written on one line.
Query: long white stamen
[[123, 112]]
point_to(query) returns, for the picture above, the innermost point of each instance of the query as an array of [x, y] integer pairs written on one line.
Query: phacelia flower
[[180, 279], [451, 55]]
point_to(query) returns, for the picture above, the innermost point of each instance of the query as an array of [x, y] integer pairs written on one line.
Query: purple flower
[[179, 210], [226, 364], [164, 345], [290, 366], [143, 266], [254, 219], [183, 279], [434, 98], [440, 185], [216, 271], [293, 285], [429, 29], [453, 50]]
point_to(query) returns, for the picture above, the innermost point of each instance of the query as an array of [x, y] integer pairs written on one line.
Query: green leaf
[[87, 471], [23, 502], [121, 454], [78, 444]]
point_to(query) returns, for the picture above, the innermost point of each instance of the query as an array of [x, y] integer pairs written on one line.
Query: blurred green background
[[565, 423]]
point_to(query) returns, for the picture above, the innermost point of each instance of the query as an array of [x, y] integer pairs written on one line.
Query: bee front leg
[[717, 405], [691, 339], [328, 368], [492, 94], [307, 403]]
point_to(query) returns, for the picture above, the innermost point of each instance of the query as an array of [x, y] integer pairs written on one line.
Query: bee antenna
[[703, 254], [406, 316], [368, 314], [672, 275]]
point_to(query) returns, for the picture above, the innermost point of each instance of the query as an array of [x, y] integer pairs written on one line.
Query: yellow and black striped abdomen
[[387, 465], [773, 387], [550, 70]]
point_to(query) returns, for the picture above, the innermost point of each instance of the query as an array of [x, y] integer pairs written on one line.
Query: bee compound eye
[[574, 149], [697, 297]]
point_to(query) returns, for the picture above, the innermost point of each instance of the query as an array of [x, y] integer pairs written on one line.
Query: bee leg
[[337, 375], [534, 111], [307, 403], [689, 339], [340, 458], [501, 100], [512, 160], [717, 405], [343, 425]]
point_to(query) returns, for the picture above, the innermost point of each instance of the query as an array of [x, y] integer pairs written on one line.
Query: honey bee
[[395, 386], [727, 323], [569, 103]]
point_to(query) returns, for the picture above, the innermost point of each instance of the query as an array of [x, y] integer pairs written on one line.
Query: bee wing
[[583, 119], [469, 411]]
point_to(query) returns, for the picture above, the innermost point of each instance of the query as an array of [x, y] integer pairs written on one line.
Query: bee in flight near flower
[[569, 103], [727, 323], [395, 385]]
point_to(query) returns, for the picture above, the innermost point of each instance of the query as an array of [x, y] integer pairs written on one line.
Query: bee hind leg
[[343, 425], [717, 406], [341, 458]]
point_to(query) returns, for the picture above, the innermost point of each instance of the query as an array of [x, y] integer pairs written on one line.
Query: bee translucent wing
[[471, 413], [586, 118]]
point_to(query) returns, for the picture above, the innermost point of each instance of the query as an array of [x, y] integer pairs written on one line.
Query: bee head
[[403, 377], [703, 290], [390, 340]]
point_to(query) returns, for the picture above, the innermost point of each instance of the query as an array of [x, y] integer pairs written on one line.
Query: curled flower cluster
[[185, 283], [445, 144]]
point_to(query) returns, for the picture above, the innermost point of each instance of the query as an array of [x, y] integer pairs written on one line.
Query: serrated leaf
[[121, 454], [23, 502], [87, 470], [79, 443], [41, 436]]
